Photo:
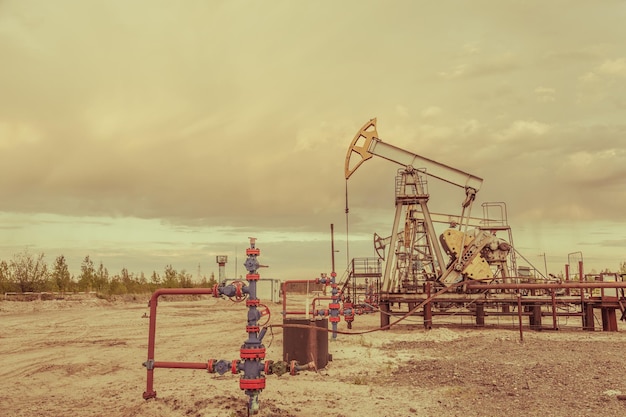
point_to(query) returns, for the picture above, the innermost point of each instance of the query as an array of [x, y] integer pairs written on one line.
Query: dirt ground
[[84, 358]]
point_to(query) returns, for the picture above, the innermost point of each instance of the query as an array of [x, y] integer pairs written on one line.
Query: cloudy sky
[[149, 133]]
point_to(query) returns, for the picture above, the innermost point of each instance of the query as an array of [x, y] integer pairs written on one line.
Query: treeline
[[30, 273]]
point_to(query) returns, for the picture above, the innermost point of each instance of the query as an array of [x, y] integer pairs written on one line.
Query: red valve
[[265, 315], [239, 295]]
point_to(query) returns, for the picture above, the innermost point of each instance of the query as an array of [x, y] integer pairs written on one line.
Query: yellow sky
[[152, 132]]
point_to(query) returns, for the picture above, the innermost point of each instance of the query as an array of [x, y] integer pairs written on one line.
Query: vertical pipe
[[519, 316], [284, 291], [582, 297], [553, 294], [332, 245], [150, 392]]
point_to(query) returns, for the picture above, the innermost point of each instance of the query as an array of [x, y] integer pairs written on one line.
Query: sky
[[154, 133]]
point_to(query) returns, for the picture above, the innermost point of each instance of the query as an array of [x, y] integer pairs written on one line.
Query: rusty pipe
[[150, 392], [546, 286], [318, 299], [181, 365], [293, 281]]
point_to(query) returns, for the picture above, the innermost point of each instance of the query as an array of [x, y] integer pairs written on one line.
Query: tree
[[6, 283], [87, 275], [101, 279], [30, 273], [117, 287], [184, 279], [170, 280], [155, 281], [208, 283], [129, 282], [61, 274]]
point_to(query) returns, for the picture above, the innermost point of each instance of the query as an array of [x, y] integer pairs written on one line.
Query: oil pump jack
[[474, 254]]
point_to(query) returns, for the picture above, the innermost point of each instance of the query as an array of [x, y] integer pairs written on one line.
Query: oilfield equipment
[[471, 269], [251, 363]]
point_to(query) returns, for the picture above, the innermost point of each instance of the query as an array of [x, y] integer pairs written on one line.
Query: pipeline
[[545, 286], [335, 309], [339, 305], [251, 354]]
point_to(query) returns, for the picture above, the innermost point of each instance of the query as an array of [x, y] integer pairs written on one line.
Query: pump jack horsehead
[[472, 252]]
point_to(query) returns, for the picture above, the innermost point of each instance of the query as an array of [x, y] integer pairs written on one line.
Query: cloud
[[15, 134], [545, 94], [616, 67], [402, 111], [495, 65], [238, 115], [523, 129], [431, 112]]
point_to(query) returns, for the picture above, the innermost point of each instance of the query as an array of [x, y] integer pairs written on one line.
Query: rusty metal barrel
[[306, 344]]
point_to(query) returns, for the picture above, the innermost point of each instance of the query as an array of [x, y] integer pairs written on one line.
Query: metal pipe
[[546, 286], [582, 294], [150, 392], [318, 299], [181, 365], [519, 316], [293, 312], [332, 246], [284, 291], [553, 295]]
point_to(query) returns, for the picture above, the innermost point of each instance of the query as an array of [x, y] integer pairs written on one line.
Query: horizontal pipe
[[181, 365], [546, 286], [180, 291], [301, 281]]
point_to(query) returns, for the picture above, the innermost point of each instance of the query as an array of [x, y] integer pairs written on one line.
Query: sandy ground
[[83, 358]]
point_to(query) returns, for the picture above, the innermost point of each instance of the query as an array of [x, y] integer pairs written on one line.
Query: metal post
[[384, 315], [519, 315], [428, 312], [553, 294], [480, 314]]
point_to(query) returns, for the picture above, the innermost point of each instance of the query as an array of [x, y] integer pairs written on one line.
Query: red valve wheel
[[239, 294], [265, 315]]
